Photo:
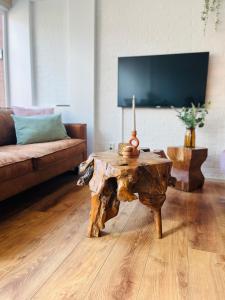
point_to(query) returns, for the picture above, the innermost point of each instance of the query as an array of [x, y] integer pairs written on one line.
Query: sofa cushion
[[13, 165], [7, 128], [60, 150], [39, 129], [45, 154]]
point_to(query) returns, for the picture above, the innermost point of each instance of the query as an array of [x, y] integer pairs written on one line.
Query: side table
[[186, 168], [113, 179]]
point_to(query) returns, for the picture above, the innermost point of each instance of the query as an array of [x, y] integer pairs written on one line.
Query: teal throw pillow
[[39, 129]]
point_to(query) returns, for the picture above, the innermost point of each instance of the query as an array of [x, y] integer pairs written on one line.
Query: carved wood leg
[[158, 222], [94, 228], [104, 206], [155, 203]]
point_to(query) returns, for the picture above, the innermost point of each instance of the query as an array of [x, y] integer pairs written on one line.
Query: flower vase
[[189, 140]]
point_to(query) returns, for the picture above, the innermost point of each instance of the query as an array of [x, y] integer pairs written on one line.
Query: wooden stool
[[186, 168]]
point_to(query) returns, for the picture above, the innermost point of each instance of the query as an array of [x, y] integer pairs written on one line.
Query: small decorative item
[[128, 152], [121, 147], [134, 141], [211, 7], [192, 117], [189, 138]]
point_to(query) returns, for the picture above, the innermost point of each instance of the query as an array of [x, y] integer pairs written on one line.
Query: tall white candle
[[134, 113]]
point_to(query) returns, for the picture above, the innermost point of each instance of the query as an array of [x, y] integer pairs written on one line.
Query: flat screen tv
[[172, 80]]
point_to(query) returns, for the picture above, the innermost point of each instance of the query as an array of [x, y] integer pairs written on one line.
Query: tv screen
[[175, 80]]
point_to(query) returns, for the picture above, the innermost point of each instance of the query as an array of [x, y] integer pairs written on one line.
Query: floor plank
[[87, 259], [165, 275], [122, 272], [218, 198], [39, 239], [44, 252], [203, 227], [206, 275]]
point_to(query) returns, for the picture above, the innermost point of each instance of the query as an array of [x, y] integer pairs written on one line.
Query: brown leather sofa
[[24, 166]]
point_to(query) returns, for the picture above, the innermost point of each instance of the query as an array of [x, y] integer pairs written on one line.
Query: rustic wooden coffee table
[[113, 179]]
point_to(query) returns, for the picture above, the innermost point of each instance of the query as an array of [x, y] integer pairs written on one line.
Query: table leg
[[104, 206], [158, 222], [155, 203], [95, 223]]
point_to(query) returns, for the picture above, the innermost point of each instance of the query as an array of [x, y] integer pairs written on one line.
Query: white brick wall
[[142, 27]]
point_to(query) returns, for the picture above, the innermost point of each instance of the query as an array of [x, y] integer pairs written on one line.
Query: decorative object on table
[[134, 141], [190, 138], [186, 168], [211, 7], [121, 147], [130, 152], [115, 179], [192, 117]]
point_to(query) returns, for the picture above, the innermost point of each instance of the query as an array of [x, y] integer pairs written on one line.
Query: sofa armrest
[[77, 131]]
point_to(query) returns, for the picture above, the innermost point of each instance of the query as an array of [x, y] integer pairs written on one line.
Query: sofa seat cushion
[[59, 151], [13, 165], [45, 154]]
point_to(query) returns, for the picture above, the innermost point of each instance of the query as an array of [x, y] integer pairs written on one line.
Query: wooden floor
[[44, 253]]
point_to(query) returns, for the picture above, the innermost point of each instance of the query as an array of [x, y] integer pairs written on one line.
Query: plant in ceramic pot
[[192, 117]]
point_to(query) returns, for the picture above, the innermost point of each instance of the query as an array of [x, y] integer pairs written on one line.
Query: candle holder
[[132, 150], [134, 141]]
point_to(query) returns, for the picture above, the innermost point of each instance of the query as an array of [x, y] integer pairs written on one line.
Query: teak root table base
[[113, 179]]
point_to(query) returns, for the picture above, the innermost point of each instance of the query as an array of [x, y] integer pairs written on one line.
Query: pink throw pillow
[[32, 111]]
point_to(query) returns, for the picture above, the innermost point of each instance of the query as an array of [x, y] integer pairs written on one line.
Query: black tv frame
[[159, 55]]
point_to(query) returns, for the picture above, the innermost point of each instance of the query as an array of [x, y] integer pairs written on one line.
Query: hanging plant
[[211, 7]]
